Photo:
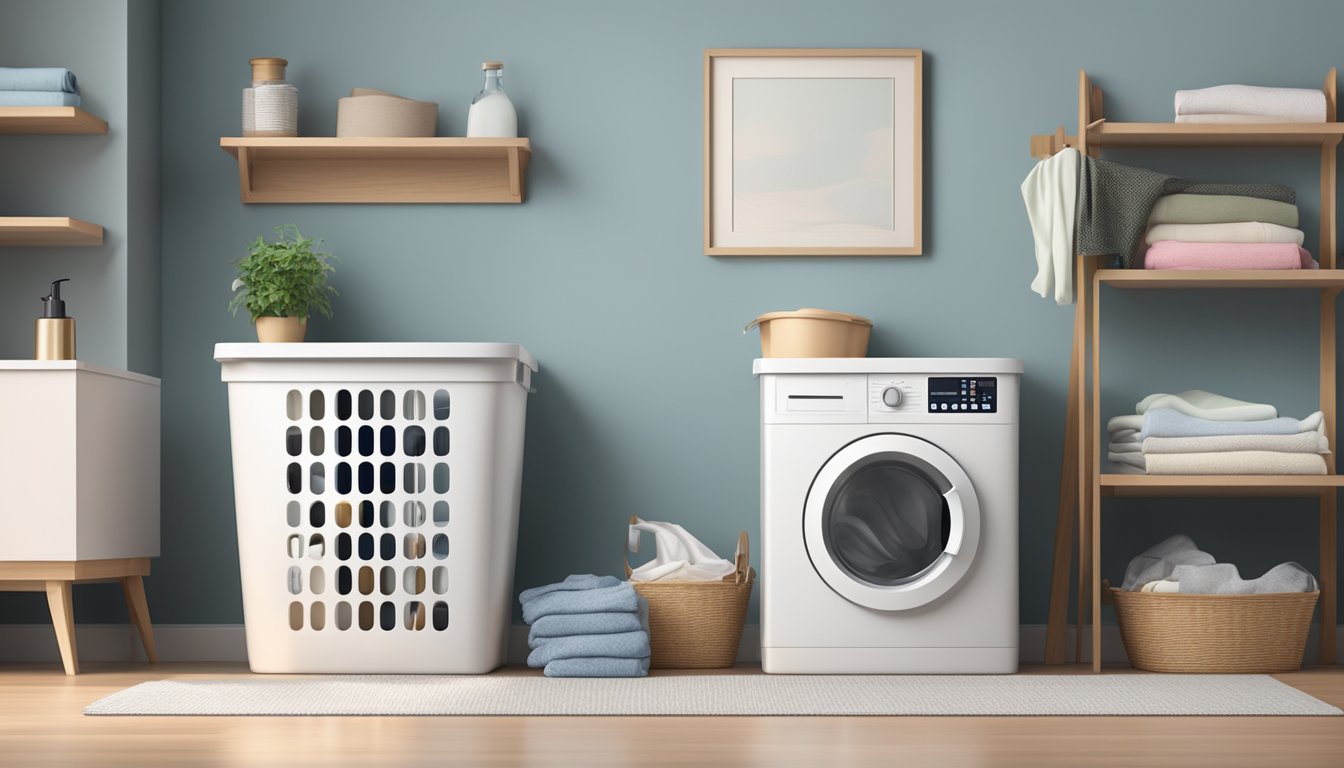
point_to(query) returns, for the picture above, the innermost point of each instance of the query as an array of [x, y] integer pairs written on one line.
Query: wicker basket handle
[[741, 558]]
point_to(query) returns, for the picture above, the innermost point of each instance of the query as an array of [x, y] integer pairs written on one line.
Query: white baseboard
[[226, 643]]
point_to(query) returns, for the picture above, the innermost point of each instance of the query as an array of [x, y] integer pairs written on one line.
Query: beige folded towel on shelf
[[1229, 117], [1302, 442], [369, 112], [1235, 463], [1231, 232]]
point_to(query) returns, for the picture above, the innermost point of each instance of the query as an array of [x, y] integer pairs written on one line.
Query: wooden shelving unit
[[49, 120], [1083, 484], [379, 170], [48, 230]]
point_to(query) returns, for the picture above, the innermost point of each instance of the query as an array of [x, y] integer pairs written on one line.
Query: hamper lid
[[810, 313]]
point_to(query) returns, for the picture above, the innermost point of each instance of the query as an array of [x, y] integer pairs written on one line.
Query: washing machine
[[889, 515]]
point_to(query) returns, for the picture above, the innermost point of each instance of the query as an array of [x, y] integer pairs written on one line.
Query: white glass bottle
[[491, 112], [270, 105]]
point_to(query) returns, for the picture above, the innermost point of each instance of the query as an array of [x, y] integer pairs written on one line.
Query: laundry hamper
[[1221, 634], [376, 489], [698, 624]]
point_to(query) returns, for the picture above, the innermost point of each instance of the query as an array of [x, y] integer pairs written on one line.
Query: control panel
[[963, 394], [895, 394]]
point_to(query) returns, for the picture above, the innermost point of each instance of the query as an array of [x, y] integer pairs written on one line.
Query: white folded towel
[[1298, 105], [1231, 118], [1235, 463], [1234, 232], [677, 556], [1302, 442], [1125, 423], [1208, 405], [1135, 460]]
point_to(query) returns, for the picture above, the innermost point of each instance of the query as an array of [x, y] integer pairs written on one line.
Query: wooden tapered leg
[[1056, 649], [1092, 488], [138, 608], [63, 620]]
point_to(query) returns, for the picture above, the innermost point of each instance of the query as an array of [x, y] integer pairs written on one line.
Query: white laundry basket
[[376, 488]]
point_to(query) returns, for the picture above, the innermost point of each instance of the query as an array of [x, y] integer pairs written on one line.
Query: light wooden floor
[[41, 724]]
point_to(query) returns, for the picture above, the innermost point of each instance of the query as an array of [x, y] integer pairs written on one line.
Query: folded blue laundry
[[39, 99], [573, 583], [566, 624], [603, 600], [1168, 422], [598, 667], [38, 79], [622, 645]]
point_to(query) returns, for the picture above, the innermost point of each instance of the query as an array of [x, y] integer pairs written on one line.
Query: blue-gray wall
[[646, 402]]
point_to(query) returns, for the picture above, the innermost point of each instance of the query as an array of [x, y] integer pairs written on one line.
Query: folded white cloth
[[1135, 460], [1234, 463], [1208, 405], [1164, 586], [1125, 446], [1301, 105], [1230, 117], [1234, 232], [677, 555], [1302, 442], [1050, 192], [1125, 423], [1125, 435]]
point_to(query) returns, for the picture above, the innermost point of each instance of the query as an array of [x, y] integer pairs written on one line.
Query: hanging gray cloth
[[1114, 201]]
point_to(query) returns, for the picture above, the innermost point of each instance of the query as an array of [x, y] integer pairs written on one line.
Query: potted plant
[[282, 282]]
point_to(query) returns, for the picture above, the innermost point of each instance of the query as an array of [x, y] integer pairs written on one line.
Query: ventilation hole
[[413, 580], [415, 616], [387, 405], [387, 546], [365, 405], [342, 616], [413, 546], [387, 514], [413, 478], [293, 441], [440, 478], [387, 477], [343, 478], [295, 546], [292, 514], [413, 405], [317, 514], [366, 477], [366, 580], [440, 513], [387, 580], [319, 617], [296, 616], [414, 514], [440, 546], [294, 477], [366, 441], [295, 580], [441, 441], [317, 580], [317, 479], [343, 441], [343, 404], [317, 547], [343, 546], [366, 546], [343, 514], [317, 405], [388, 617], [366, 514], [317, 441], [366, 616], [440, 580], [413, 441], [343, 580], [294, 405], [387, 441], [440, 616], [441, 404]]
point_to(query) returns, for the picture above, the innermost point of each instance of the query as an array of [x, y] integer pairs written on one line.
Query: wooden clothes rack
[[1082, 485]]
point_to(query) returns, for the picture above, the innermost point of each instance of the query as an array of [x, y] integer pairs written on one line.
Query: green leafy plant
[[286, 278]]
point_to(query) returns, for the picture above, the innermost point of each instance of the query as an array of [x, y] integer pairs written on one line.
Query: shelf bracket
[[515, 185], [245, 172], [1046, 145]]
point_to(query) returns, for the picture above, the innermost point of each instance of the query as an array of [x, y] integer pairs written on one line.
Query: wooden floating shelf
[[379, 170], [1237, 278], [48, 231], [49, 120], [1218, 485], [1314, 135]]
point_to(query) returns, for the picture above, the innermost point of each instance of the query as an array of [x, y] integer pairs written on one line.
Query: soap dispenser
[[55, 330]]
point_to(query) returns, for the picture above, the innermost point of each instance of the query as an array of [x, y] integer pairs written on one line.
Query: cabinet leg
[[63, 620], [1328, 577], [138, 608]]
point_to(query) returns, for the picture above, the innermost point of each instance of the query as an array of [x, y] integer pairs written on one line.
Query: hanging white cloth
[[1051, 194]]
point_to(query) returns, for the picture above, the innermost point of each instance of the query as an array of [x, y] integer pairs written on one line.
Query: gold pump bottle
[[55, 331]]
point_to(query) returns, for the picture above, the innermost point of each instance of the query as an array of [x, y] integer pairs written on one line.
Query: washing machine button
[[891, 397]]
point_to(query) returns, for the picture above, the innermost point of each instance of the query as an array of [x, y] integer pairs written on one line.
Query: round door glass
[[886, 519]]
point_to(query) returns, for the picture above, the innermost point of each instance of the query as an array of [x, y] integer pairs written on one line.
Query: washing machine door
[[891, 522]]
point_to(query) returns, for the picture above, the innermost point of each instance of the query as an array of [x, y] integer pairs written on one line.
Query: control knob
[[891, 397]]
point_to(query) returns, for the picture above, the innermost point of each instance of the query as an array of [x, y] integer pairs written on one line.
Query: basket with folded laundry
[[38, 87], [1180, 610], [1202, 433]]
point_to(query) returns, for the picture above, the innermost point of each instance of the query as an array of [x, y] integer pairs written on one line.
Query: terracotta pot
[[281, 329]]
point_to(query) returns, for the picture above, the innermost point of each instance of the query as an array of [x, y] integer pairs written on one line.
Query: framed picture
[[813, 152]]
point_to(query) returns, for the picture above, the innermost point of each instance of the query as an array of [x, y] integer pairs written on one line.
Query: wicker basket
[[1214, 633], [698, 624]]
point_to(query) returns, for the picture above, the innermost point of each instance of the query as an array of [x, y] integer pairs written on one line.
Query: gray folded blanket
[[1225, 579], [38, 79], [1158, 561]]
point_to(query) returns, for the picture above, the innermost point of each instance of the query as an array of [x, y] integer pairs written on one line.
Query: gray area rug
[[742, 694]]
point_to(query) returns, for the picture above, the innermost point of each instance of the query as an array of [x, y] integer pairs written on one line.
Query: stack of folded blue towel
[[38, 87], [587, 626]]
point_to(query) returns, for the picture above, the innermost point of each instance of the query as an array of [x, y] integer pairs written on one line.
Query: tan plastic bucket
[[811, 332]]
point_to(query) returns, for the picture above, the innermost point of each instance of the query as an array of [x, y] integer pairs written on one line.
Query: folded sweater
[[1226, 232], [1221, 209], [1167, 422], [1170, 254], [52, 79], [1300, 105], [1235, 463]]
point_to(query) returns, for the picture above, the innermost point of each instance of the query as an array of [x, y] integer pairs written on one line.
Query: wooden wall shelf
[[379, 170], [49, 120], [1315, 135], [48, 231], [1210, 486], [1322, 279]]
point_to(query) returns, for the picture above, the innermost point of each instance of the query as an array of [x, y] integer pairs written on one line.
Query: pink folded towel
[[1171, 254]]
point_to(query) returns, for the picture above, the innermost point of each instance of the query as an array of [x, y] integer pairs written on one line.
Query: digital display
[[959, 394]]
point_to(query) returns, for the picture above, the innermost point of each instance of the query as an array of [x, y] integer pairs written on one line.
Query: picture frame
[[813, 152]]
